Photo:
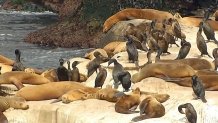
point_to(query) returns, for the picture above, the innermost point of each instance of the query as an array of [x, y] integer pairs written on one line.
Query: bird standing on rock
[[190, 112], [62, 72], [101, 77], [18, 66], [184, 50]]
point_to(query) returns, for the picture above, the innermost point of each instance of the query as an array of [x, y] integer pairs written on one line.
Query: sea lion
[[3, 118], [91, 55], [195, 63], [101, 76], [125, 78], [206, 72], [108, 94], [208, 30], [18, 78], [110, 47], [128, 103], [198, 88], [62, 72], [132, 51], [184, 50], [6, 61], [94, 64], [53, 90], [116, 69], [51, 75], [74, 74], [129, 13], [190, 112], [200, 41], [18, 66], [163, 70], [13, 102], [150, 108]]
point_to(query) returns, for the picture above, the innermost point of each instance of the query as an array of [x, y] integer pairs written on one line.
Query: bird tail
[[203, 99]]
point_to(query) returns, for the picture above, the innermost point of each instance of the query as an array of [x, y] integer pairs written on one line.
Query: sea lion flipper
[[18, 84], [119, 94], [142, 108]]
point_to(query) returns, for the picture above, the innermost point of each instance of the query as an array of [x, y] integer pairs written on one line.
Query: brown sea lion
[[184, 50], [200, 41], [6, 61], [190, 112], [150, 108], [3, 118], [62, 72], [53, 90], [110, 47], [131, 13], [195, 63], [206, 72], [163, 70], [12, 102], [91, 55], [198, 88], [18, 65], [50, 74], [18, 78], [101, 77], [128, 103]]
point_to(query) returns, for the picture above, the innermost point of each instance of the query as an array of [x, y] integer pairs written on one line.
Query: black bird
[[201, 45], [208, 30], [18, 66], [62, 72], [75, 75], [184, 50], [94, 64], [125, 79], [101, 77], [132, 51], [198, 88], [190, 112], [116, 69]]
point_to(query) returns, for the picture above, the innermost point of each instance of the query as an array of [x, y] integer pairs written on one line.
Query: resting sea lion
[[198, 88], [128, 103], [163, 70], [206, 72], [18, 78], [150, 108], [18, 66], [6, 60], [190, 112], [125, 78], [130, 13], [184, 50], [132, 51], [201, 44], [13, 102], [3, 118], [110, 47], [116, 69], [50, 74], [62, 72], [100, 78], [91, 55], [53, 90]]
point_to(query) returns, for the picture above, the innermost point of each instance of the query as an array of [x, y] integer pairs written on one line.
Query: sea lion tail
[[139, 118]]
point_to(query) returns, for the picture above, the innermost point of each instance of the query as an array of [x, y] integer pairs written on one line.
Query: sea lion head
[[97, 54]]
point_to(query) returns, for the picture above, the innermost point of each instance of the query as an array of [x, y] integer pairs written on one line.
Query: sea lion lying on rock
[[18, 78], [167, 70]]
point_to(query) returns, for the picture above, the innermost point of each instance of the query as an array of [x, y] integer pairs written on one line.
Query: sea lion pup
[[3, 118], [190, 112], [128, 103], [130, 13], [125, 79], [163, 70], [53, 90], [201, 45], [18, 78], [132, 51], [18, 66], [208, 30], [184, 50], [74, 74], [101, 77], [93, 65], [116, 69], [150, 108], [62, 72], [12, 102], [198, 88]]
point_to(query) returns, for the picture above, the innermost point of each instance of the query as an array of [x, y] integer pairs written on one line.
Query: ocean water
[[15, 25]]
